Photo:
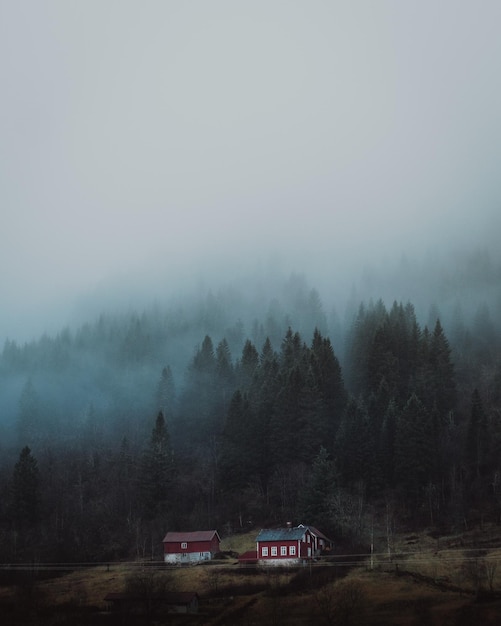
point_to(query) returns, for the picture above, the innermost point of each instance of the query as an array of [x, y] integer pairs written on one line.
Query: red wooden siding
[[198, 541]]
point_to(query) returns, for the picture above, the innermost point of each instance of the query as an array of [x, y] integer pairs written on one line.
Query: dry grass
[[239, 543], [420, 591], [468, 561]]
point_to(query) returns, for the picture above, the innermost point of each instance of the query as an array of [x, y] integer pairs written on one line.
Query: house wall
[[187, 557], [275, 550], [190, 551], [302, 550], [175, 547], [284, 562]]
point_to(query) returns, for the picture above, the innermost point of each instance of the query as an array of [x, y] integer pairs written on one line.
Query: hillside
[[123, 429], [428, 580]]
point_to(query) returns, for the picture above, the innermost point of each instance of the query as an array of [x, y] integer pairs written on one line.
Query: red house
[[191, 547], [285, 546], [321, 543]]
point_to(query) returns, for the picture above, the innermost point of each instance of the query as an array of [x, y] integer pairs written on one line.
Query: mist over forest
[[112, 362], [250, 270], [249, 396]]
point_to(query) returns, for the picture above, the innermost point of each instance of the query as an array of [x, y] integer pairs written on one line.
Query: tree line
[[406, 427]]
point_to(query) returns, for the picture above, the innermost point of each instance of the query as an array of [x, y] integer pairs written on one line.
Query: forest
[[249, 407]]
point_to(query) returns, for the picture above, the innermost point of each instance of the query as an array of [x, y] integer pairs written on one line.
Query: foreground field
[[452, 580]]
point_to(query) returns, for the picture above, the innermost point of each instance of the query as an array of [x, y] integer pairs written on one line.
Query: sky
[[161, 138]]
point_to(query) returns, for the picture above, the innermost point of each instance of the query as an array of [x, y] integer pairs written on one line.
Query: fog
[[148, 146]]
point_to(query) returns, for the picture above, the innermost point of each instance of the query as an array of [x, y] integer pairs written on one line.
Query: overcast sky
[[138, 134]]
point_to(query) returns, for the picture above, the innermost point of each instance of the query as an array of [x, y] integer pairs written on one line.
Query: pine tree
[[224, 384], [25, 491], [359, 343], [316, 500], [414, 460], [355, 448], [329, 380], [166, 393], [198, 402], [285, 426], [478, 438], [248, 365], [292, 351], [387, 444], [443, 382], [236, 463], [267, 352], [29, 414], [157, 470]]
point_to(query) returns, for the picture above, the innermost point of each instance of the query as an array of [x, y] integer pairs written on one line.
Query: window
[[264, 551], [184, 545], [283, 550], [292, 550], [273, 550]]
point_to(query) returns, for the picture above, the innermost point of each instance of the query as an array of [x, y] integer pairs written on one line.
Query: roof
[[197, 535], [281, 534], [315, 531]]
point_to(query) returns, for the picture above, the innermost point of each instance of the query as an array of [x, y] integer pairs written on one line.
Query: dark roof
[[281, 534], [170, 597], [316, 532], [197, 535]]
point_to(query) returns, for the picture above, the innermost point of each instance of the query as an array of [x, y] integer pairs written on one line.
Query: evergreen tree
[[387, 444], [267, 351], [355, 448], [316, 500], [329, 380], [224, 383], [477, 438], [199, 399], [29, 414], [312, 425], [443, 382], [25, 491], [157, 470], [292, 351], [166, 393], [236, 461], [124, 480], [285, 426], [248, 365], [414, 460], [359, 343]]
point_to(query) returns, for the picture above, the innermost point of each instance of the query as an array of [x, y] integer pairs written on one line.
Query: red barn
[[191, 547]]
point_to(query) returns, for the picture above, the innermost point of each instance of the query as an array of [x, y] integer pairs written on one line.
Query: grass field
[[453, 581]]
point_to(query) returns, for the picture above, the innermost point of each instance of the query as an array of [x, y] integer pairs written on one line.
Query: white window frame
[[184, 545], [273, 550], [292, 550], [283, 550], [264, 550]]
